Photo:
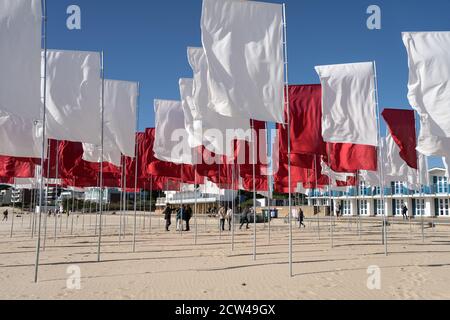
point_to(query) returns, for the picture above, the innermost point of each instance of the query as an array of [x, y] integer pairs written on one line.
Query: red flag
[[305, 102], [402, 126], [349, 158], [11, 167]]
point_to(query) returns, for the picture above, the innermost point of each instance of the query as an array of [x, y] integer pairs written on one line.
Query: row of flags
[[327, 134]]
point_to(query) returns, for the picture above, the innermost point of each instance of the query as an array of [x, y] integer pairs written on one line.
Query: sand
[[170, 266]]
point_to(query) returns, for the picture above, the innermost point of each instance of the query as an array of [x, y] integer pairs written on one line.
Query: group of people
[[183, 214]]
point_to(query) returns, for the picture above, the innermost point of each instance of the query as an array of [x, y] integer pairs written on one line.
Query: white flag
[[119, 126], [121, 113], [348, 103], [20, 137], [171, 138], [111, 153], [74, 96], [429, 88], [20, 57], [186, 89], [243, 42], [212, 129]]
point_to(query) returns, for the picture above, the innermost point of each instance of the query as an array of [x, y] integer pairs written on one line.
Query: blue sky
[[146, 40]]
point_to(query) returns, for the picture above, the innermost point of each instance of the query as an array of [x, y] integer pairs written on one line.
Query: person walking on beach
[[230, 218], [5, 215], [180, 218], [187, 215], [405, 212], [222, 217], [245, 218], [168, 217], [339, 211], [301, 218]]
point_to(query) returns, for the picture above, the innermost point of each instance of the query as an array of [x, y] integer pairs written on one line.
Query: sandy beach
[[170, 266]]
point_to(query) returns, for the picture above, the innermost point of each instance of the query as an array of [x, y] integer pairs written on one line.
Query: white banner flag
[[20, 137], [212, 129], [171, 138], [429, 88], [121, 114], [349, 105], [243, 42], [74, 96], [20, 57], [119, 126]]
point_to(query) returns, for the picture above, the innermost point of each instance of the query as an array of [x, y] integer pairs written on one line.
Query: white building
[[433, 201], [206, 196]]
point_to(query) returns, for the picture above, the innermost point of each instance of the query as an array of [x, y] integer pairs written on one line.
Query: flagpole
[[101, 159], [195, 194], [233, 177], [330, 194], [269, 181], [422, 197], [318, 192], [14, 208], [49, 156], [44, 123], [122, 168], [254, 188], [143, 199], [151, 198], [289, 141], [136, 169], [56, 180], [380, 162]]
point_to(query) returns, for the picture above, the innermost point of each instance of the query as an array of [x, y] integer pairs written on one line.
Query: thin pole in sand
[[121, 198], [150, 206], [317, 190], [56, 180], [269, 184], [44, 124], [233, 224], [136, 169], [286, 93], [195, 194], [381, 162], [13, 212], [254, 188], [143, 196], [101, 160]]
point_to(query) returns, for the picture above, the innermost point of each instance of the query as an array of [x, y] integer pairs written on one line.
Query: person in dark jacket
[[245, 218], [187, 215], [301, 218], [5, 215], [168, 217]]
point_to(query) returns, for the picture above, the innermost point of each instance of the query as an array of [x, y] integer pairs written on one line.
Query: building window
[[363, 208], [441, 184], [420, 207], [346, 208], [379, 207], [444, 208], [398, 187]]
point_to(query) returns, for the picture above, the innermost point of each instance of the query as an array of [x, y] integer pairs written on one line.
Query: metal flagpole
[[195, 194], [150, 206], [101, 160], [317, 189], [330, 195], [13, 214], [380, 161], [289, 140], [254, 188], [73, 210], [422, 197], [136, 170], [143, 196], [44, 123], [121, 197], [125, 204], [56, 180], [233, 177], [269, 182]]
